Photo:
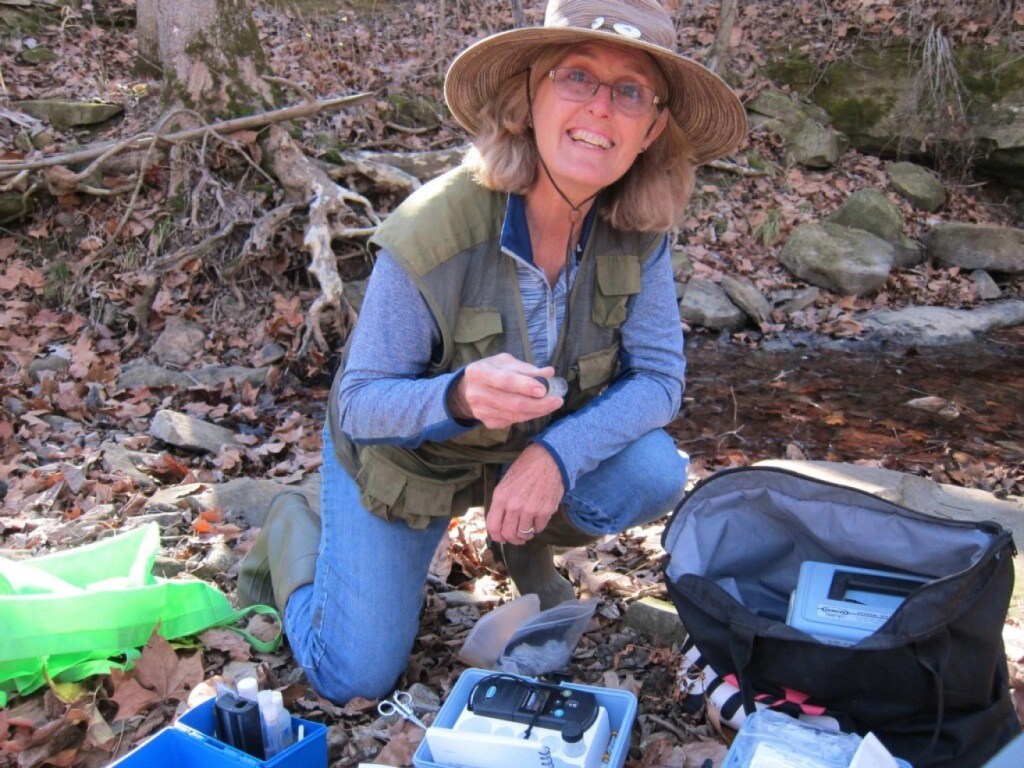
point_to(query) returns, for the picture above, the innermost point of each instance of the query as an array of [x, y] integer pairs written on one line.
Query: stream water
[[744, 405]]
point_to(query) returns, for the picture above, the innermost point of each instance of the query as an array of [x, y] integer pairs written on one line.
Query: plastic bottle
[[285, 721]]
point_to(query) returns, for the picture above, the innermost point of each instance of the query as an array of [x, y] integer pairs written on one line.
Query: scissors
[[400, 704]]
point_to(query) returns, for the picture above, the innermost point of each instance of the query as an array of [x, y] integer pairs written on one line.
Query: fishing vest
[[446, 237]]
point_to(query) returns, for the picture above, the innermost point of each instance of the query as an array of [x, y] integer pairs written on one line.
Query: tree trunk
[[209, 53], [518, 17], [718, 59]]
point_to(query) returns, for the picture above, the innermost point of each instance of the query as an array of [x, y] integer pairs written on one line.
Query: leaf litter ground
[[64, 484]]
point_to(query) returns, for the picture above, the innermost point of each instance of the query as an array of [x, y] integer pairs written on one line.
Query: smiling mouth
[[590, 139]]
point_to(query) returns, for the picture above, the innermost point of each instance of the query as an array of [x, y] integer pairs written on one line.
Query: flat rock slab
[[240, 499], [193, 434], [69, 114], [935, 326], [145, 373]]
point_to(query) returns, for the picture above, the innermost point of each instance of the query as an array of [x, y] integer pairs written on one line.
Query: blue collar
[[515, 232]]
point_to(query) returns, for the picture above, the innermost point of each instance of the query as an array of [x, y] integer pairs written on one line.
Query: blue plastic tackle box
[[620, 705], [191, 743]]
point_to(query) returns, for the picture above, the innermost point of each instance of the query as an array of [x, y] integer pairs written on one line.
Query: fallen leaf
[[403, 739], [170, 676], [229, 642], [131, 699]]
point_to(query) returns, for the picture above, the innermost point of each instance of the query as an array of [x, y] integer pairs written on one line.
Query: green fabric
[[84, 611]]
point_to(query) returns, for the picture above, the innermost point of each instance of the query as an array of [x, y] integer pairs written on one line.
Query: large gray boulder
[[850, 262], [976, 246], [871, 211], [917, 184], [705, 303], [874, 97]]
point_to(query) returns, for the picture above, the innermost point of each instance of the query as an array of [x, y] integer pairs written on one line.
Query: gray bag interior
[[749, 532]]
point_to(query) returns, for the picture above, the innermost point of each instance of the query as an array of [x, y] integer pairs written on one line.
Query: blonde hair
[[650, 197]]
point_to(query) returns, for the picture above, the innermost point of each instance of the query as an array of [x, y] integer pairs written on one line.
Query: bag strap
[[741, 647], [933, 654], [263, 646]]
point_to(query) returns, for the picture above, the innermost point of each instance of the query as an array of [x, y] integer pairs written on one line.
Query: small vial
[[556, 386]]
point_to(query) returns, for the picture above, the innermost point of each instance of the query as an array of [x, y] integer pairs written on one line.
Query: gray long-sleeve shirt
[[385, 398]]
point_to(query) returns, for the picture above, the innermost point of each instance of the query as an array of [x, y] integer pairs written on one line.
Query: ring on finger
[[528, 532]]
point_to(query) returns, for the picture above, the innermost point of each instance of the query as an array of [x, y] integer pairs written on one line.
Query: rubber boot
[[531, 566], [284, 555]]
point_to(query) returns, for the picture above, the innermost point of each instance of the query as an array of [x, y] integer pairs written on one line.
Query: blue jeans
[[353, 628]]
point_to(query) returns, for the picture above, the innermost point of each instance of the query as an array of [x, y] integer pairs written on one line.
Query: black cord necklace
[[575, 214]]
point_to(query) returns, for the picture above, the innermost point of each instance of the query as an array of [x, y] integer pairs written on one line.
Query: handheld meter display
[[568, 711]]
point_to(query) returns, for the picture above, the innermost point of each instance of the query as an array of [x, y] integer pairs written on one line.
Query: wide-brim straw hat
[[704, 107]]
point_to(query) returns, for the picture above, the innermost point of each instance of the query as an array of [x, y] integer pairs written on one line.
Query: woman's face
[[588, 145]]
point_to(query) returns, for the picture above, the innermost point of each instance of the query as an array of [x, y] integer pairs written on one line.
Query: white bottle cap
[[248, 688]]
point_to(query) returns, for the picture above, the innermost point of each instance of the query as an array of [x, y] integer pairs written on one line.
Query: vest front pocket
[[392, 492], [476, 335], [594, 371], [618, 278]]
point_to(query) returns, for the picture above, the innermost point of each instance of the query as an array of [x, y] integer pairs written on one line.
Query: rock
[[934, 326], [977, 246], [68, 114], [804, 127], [167, 567], [798, 300], [705, 303], [871, 211], [244, 499], [984, 286], [918, 185], [184, 431], [219, 375], [874, 96], [61, 424], [269, 354], [218, 561], [141, 373], [744, 294], [815, 146], [657, 620], [35, 56], [145, 373], [843, 260], [169, 519], [117, 458], [56, 363], [682, 264], [180, 342], [15, 405]]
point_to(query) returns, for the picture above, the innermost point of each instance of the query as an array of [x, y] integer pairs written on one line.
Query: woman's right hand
[[501, 391]]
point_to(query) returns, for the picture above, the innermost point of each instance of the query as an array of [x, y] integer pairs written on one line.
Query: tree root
[[305, 180]]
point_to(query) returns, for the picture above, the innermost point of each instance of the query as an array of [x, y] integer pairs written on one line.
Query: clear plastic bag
[[545, 643], [492, 632]]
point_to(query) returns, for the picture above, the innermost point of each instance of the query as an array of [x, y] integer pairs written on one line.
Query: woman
[[543, 256]]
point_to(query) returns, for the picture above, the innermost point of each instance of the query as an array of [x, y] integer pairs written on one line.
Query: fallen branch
[[144, 140], [739, 170]]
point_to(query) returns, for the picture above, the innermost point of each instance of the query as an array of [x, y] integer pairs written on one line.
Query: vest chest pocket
[[476, 335], [618, 278]]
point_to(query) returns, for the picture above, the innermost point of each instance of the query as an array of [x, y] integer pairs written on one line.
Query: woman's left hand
[[526, 497]]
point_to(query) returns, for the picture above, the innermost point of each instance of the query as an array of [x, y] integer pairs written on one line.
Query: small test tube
[[556, 386], [270, 720]]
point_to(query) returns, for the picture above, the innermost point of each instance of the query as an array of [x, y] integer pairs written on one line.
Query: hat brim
[[703, 106]]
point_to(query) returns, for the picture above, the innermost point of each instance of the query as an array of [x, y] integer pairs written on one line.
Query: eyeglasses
[[628, 96]]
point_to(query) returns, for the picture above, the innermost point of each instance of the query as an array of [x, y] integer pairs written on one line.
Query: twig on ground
[[261, 120]]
